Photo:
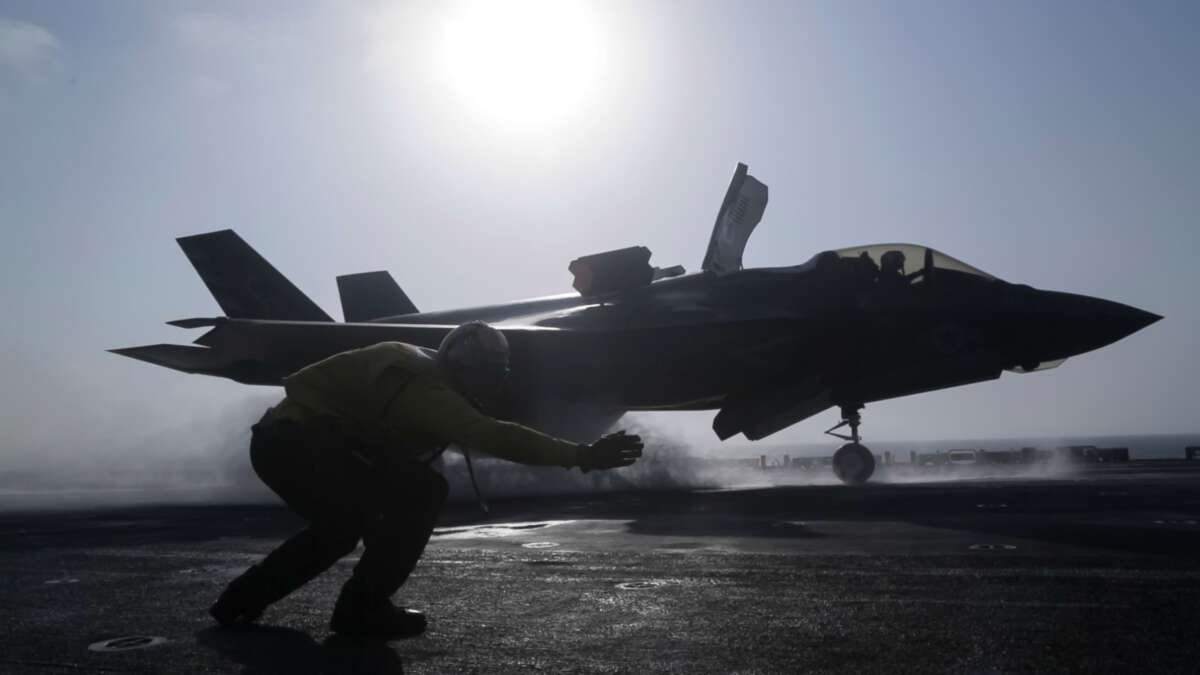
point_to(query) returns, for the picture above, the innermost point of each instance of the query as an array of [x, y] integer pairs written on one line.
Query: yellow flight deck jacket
[[392, 395]]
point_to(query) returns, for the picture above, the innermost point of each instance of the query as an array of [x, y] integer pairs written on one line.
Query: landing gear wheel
[[853, 464]]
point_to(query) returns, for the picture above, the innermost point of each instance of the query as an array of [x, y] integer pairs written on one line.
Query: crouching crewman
[[349, 448]]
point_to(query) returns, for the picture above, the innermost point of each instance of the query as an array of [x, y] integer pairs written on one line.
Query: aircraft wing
[[760, 413]]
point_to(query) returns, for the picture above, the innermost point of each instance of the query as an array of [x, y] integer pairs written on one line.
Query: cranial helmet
[[474, 347]]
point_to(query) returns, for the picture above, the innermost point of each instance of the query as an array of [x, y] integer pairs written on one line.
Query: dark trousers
[[346, 493]]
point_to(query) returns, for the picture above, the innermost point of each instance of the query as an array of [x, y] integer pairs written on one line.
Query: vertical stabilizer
[[243, 283], [372, 295]]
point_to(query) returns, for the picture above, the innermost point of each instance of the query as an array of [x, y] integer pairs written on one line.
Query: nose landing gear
[[852, 463]]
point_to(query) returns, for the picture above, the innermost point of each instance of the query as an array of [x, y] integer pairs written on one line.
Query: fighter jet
[[764, 347]]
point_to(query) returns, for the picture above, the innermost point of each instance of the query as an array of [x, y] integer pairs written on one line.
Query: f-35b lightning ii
[[764, 347]]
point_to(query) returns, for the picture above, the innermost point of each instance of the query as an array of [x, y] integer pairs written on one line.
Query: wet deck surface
[[1097, 572]]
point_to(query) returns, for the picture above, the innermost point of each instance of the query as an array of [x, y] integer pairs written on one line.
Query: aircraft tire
[[853, 464]]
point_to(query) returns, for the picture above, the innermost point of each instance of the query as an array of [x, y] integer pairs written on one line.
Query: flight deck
[[1094, 570]]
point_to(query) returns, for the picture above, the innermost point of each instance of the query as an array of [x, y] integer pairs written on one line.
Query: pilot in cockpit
[[891, 272]]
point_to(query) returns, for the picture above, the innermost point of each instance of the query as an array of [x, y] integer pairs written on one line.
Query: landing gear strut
[[852, 463]]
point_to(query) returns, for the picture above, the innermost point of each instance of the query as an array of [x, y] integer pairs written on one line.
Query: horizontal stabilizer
[[372, 295], [178, 357], [243, 283]]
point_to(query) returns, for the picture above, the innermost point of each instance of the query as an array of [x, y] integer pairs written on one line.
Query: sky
[[474, 149]]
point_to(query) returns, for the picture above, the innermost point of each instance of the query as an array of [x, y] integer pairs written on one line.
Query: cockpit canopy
[[908, 260]]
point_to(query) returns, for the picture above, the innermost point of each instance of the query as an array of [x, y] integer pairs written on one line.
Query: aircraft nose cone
[[1079, 323], [1133, 319]]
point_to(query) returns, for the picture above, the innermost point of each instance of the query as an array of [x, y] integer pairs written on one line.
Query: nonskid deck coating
[[1094, 572]]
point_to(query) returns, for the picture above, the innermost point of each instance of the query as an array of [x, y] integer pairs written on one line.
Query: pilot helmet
[[475, 356], [893, 261]]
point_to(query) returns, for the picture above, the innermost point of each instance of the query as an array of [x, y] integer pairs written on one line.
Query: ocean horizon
[[1141, 446]]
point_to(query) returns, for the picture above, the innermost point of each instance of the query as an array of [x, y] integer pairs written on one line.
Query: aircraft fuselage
[[793, 340]]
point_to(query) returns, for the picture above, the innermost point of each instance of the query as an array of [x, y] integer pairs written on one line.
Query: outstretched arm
[[437, 410]]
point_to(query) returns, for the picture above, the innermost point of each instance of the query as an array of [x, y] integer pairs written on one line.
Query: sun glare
[[522, 62]]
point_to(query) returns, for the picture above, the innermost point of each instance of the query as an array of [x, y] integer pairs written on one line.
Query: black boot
[[362, 613], [285, 569], [242, 601]]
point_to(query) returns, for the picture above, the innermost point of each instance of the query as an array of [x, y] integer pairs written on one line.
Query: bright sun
[[523, 62]]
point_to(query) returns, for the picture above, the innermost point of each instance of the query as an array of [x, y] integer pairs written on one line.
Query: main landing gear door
[[744, 204]]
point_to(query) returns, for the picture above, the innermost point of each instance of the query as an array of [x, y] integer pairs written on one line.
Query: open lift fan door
[[741, 210]]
